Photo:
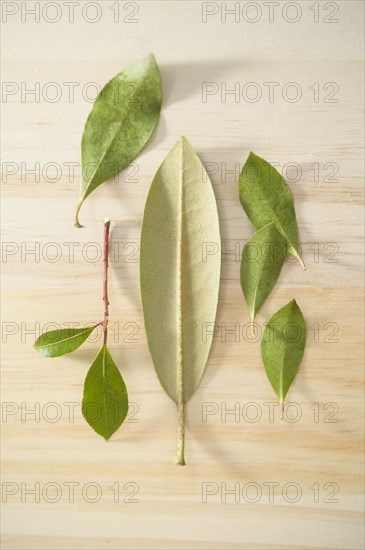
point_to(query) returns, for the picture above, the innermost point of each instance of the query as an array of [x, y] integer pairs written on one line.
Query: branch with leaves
[[105, 399]]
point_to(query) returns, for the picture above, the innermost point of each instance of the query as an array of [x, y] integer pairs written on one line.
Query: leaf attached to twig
[[105, 400], [55, 343]]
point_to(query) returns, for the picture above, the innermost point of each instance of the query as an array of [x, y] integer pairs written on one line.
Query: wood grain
[[232, 441]]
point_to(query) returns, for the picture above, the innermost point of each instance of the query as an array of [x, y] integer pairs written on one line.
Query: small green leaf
[[59, 342], [105, 400], [282, 347], [120, 123], [266, 198], [262, 259]]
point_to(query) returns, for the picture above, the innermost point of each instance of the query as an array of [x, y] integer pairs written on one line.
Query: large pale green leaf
[[59, 342], [282, 347], [262, 259], [179, 282], [105, 400], [120, 124], [266, 198]]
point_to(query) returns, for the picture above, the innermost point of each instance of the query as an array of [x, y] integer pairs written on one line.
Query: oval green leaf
[[120, 123], [282, 347], [262, 259], [105, 400], [179, 280], [55, 343], [266, 198]]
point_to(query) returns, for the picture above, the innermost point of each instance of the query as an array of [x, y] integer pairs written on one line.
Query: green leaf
[[59, 342], [266, 198], [282, 347], [120, 123], [105, 400], [262, 259], [179, 283]]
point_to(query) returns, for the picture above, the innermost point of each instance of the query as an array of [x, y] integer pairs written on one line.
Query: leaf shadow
[[210, 441], [206, 436], [183, 79]]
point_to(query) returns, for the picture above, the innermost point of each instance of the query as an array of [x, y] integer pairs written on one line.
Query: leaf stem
[[282, 410], [77, 223], [302, 264], [105, 279], [253, 328], [180, 456]]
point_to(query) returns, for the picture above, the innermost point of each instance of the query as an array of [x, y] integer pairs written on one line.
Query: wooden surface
[[223, 450]]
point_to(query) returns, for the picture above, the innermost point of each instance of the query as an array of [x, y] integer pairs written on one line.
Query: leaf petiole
[[180, 453], [302, 264], [77, 223]]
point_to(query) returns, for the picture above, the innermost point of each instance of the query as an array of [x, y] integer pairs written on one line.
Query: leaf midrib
[[253, 311], [104, 392], [180, 373], [284, 351], [277, 222]]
